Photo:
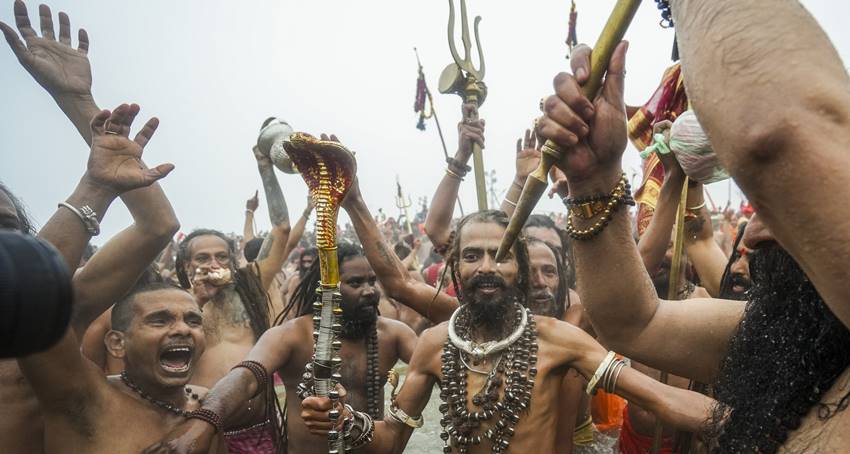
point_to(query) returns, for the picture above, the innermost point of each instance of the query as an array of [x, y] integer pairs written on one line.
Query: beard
[[788, 350], [491, 313], [360, 319], [542, 302]]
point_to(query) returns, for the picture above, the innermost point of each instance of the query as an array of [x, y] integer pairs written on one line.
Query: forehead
[[539, 254], [355, 266], [544, 234], [481, 235], [170, 300], [207, 243]]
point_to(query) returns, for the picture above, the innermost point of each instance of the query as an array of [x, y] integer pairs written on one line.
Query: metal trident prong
[[465, 63]]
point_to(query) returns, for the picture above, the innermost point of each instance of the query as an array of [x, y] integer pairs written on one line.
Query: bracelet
[[259, 372], [87, 216], [453, 174], [399, 415], [249, 211], [603, 366], [458, 166], [510, 202], [620, 195], [364, 423], [612, 388], [698, 207], [208, 416]]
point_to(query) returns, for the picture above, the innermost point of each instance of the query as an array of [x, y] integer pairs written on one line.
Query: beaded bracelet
[[259, 372], [210, 417], [458, 166], [620, 195]]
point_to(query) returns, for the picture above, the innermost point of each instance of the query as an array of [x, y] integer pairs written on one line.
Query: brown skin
[[82, 408], [615, 288], [287, 349]]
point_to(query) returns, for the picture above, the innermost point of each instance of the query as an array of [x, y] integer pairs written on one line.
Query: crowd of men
[[594, 334]]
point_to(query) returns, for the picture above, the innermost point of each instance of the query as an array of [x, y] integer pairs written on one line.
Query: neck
[[175, 395]]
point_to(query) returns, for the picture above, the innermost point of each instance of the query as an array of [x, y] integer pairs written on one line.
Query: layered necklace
[[159, 403], [514, 371]]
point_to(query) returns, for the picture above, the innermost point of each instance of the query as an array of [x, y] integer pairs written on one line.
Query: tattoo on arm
[[274, 197], [385, 254]]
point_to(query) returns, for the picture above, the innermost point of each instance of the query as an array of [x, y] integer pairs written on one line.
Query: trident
[[462, 79], [403, 203]]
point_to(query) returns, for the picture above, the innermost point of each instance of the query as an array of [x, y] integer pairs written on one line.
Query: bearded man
[[780, 361], [371, 345]]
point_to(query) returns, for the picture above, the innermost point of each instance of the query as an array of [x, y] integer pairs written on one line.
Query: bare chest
[[227, 320], [817, 435]]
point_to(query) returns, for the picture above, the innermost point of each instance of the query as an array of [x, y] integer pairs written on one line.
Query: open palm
[[55, 65], [115, 161]]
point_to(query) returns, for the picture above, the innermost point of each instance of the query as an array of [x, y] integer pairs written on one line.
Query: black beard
[[788, 350], [548, 308], [489, 314], [360, 323], [727, 287]]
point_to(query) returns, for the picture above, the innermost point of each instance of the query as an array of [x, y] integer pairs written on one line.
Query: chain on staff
[[423, 94]]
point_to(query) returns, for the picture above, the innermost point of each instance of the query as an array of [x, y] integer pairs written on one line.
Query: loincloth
[[256, 439]]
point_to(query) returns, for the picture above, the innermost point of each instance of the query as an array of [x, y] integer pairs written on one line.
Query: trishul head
[[329, 169], [462, 76]]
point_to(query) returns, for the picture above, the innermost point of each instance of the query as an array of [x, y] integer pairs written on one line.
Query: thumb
[[615, 77], [159, 172]]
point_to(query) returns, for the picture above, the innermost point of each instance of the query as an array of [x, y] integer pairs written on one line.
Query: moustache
[[485, 280], [543, 294], [740, 280]]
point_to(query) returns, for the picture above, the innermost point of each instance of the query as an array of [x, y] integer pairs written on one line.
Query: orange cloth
[[607, 410], [668, 101], [632, 442]]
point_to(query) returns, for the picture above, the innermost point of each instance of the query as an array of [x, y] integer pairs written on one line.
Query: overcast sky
[[212, 71]]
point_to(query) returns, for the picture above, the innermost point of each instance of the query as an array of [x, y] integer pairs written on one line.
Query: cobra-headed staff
[[536, 183], [461, 78], [328, 168]]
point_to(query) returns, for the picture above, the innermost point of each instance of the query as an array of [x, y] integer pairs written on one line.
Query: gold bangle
[[510, 202], [452, 174]]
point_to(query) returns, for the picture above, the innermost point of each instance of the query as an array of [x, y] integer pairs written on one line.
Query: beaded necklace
[[515, 370], [159, 403]]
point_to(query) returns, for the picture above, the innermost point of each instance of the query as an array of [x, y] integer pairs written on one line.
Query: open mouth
[[176, 359]]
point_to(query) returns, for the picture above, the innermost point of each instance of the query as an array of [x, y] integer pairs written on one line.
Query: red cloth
[[632, 442], [253, 440]]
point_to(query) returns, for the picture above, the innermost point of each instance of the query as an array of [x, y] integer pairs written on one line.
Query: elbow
[[164, 228]]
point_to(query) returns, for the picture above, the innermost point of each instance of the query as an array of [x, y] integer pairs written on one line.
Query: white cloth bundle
[[692, 149]]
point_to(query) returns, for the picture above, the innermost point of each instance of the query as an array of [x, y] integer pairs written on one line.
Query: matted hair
[[520, 250], [563, 296]]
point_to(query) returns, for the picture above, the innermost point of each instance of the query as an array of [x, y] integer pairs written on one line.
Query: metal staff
[[328, 168], [403, 204], [433, 113], [537, 182], [462, 79], [673, 287]]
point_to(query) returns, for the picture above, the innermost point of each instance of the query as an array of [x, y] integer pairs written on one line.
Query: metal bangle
[[603, 366], [698, 207], [450, 173], [87, 216], [510, 202]]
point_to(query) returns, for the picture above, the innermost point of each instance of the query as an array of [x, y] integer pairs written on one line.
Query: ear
[[114, 341]]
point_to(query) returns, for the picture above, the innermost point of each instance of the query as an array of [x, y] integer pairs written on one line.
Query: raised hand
[[591, 132], [115, 160], [61, 69], [527, 155], [470, 130], [253, 203]]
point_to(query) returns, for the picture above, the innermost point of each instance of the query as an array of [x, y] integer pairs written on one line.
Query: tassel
[[675, 48], [572, 38]]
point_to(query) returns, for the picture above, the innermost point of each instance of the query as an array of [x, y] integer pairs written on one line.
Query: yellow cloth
[[583, 434]]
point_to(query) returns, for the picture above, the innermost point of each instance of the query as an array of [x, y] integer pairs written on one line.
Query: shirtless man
[[289, 347], [65, 73], [779, 361]]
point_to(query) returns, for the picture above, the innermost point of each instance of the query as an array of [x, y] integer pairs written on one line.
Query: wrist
[[463, 155], [90, 191], [599, 183]]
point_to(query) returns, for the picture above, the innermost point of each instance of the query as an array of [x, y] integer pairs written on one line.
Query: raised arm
[[248, 227], [298, 230], [655, 240], [439, 219], [703, 252], [394, 277], [527, 159], [614, 286], [760, 113], [273, 251]]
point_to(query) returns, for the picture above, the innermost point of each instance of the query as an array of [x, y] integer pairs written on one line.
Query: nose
[[488, 264], [757, 234], [537, 281], [181, 328]]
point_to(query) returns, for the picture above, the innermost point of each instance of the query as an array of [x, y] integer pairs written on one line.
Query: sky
[[213, 70]]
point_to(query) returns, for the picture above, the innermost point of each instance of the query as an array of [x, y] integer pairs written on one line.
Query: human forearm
[[278, 213], [512, 196], [298, 231], [703, 252], [680, 409], [439, 219], [248, 228], [655, 240], [79, 108]]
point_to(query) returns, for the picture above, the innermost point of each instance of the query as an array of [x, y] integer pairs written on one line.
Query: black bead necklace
[[159, 403], [374, 387], [515, 370]]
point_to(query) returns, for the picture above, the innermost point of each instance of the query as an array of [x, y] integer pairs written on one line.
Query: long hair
[[301, 301], [246, 280], [726, 278], [565, 251], [562, 297], [24, 222], [520, 251]]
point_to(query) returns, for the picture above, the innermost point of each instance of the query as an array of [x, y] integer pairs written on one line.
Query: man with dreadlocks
[[780, 361], [371, 345]]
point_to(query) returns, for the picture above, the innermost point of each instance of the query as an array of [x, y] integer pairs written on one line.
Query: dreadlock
[[726, 278], [304, 294], [520, 250], [563, 294], [248, 286], [565, 251]]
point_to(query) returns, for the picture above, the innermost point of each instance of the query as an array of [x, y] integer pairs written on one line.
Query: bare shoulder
[[393, 327], [558, 334], [432, 339]]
